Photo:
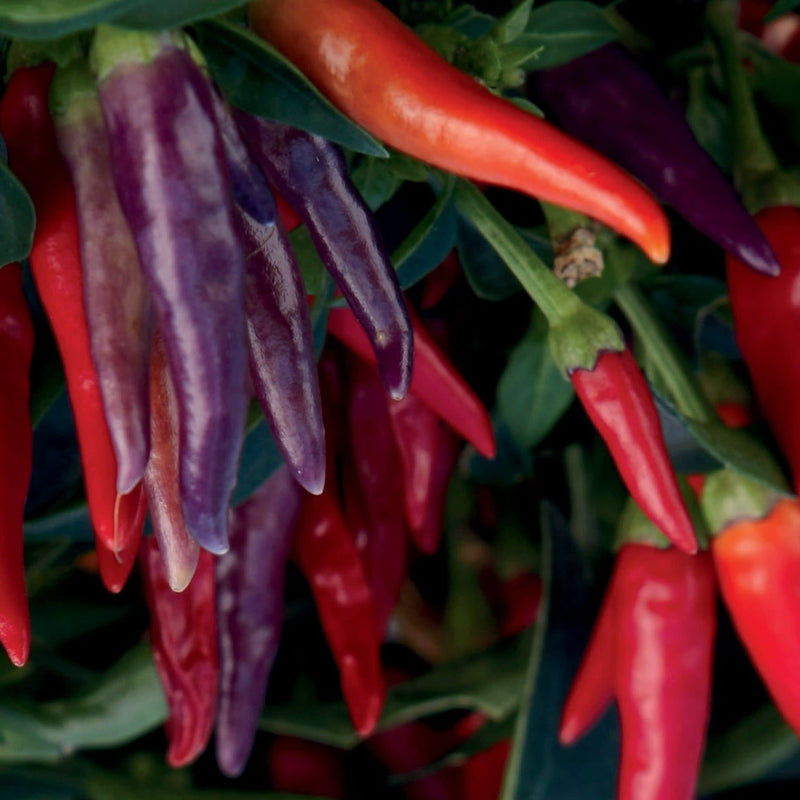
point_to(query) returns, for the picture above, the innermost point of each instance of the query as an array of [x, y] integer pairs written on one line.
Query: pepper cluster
[[180, 216]]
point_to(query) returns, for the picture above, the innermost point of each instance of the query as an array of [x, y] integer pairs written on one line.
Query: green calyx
[[577, 339], [112, 47], [633, 527], [730, 497], [73, 92]]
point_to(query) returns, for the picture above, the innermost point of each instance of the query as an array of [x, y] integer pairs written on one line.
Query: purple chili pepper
[[250, 188], [249, 591], [283, 369], [117, 306], [173, 186], [608, 101], [310, 174]]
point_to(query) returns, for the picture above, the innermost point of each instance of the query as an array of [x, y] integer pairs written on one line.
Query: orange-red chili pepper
[[379, 73], [16, 443], [34, 157]]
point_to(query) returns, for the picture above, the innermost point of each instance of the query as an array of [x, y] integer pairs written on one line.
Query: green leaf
[[781, 7], [532, 394], [538, 768], [260, 458], [488, 682], [156, 14], [377, 179], [747, 751], [429, 242], [558, 32], [50, 19], [259, 80], [513, 23], [16, 218], [312, 269]]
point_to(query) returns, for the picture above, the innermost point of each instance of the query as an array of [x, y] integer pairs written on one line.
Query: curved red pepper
[[325, 553], [758, 566], [617, 399], [33, 154], [433, 380], [652, 648], [183, 636], [16, 456], [383, 76]]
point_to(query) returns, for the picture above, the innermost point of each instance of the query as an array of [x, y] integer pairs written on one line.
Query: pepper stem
[[112, 46], [661, 349]]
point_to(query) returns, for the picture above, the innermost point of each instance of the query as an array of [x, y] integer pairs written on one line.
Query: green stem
[[662, 350], [555, 300]]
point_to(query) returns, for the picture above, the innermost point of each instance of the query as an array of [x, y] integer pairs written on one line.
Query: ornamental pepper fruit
[[30, 137], [384, 77], [16, 458], [183, 636], [651, 649]]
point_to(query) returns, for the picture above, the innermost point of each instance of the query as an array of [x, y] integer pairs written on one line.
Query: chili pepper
[[176, 545], [652, 648], [384, 77], [302, 766], [618, 401], [325, 553], [172, 183], [599, 97], [310, 174], [16, 460], [249, 581], [115, 565], [373, 489], [433, 380], [115, 299], [183, 636], [33, 154], [766, 340], [281, 358]]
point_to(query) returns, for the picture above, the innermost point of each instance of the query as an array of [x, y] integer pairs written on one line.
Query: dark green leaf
[[50, 19], [558, 32], [538, 767], [377, 179], [259, 80], [709, 119], [67, 523], [532, 394], [429, 242], [156, 14], [260, 458], [513, 23], [16, 218], [311, 268], [781, 7], [747, 751], [469, 21]]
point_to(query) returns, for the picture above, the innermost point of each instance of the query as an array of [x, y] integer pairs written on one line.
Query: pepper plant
[[398, 399]]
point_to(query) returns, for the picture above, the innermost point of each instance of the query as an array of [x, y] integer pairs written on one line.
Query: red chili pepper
[[758, 566], [766, 340], [324, 552], [433, 380], [33, 154], [183, 635], [16, 456], [301, 766], [383, 76], [655, 636], [617, 399]]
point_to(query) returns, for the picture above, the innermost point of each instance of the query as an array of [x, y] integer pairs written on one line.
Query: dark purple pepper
[[173, 186], [608, 101], [310, 173], [249, 599], [250, 188], [283, 369], [116, 303]]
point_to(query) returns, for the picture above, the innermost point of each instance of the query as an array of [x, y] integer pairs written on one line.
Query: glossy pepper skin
[[324, 552], [310, 174], [652, 650], [380, 74], [249, 597], [115, 298], [617, 399], [599, 98], [159, 115], [766, 314], [280, 350], [758, 567], [16, 445], [183, 637], [30, 137]]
